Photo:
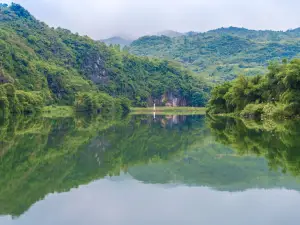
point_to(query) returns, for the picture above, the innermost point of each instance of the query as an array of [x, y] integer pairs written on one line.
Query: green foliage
[[253, 110], [60, 64], [101, 103], [220, 55], [274, 95], [29, 101], [17, 101]]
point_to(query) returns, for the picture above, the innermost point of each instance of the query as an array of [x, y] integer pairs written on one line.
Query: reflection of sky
[[129, 202]]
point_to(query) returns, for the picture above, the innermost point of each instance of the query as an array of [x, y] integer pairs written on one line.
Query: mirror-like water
[[145, 170]]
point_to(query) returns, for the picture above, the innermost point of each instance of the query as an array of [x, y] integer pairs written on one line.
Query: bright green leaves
[[277, 92]]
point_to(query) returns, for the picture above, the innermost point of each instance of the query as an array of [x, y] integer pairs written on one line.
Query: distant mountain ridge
[[170, 33], [117, 40], [124, 41], [222, 54]]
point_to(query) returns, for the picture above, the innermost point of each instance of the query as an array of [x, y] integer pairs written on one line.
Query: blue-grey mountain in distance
[[124, 41], [169, 33], [117, 41]]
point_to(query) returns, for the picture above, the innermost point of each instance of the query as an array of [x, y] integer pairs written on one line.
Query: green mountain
[[224, 53], [56, 65], [117, 41], [169, 33]]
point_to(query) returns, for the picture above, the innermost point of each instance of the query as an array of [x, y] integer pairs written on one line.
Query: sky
[[101, 19]]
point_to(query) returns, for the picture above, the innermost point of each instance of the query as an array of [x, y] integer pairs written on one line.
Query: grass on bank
[[170, 110], [68, 111]]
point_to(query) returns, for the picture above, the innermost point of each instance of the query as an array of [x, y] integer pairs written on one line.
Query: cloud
[[102, 18]]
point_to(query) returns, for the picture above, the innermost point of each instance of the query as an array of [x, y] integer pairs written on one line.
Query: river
[[148, 170]]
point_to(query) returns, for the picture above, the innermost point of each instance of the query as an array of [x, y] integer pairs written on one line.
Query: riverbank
[[170, 110], [68, 111]]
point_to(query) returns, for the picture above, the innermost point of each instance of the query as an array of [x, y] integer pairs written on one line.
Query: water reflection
[[278, 142], [41, 156], [163, 158], [129, 202]]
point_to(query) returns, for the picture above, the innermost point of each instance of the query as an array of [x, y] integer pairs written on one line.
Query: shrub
[[276, 111], [17, 101], [97, 102], [253, 111]]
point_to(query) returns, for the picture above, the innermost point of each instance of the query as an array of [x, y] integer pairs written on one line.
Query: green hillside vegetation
[[274, 95], [221, 55], [59, 65], [18, 101]]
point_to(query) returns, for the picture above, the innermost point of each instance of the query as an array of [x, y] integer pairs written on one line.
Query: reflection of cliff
[[170, 120], [45, 156], [168, 99]]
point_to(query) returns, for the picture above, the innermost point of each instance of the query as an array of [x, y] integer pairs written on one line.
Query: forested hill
[[117, 41], [224, 53], [56, 65], [274, 95]]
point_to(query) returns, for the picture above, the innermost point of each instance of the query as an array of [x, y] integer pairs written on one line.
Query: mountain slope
[[223, 53], [117, 41], [59, 65], [169, 33]]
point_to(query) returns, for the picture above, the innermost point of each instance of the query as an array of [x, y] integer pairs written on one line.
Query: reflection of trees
[[40, 156], [278, 142]]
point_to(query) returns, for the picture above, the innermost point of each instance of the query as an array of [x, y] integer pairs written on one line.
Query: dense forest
[[222, 54], [276, 94], [48, 66]]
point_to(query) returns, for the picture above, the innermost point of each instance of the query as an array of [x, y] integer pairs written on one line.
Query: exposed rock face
[[4, 79], [168, 99], [94, 68]]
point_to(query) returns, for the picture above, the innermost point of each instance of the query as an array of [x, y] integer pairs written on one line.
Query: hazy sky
[[105, 18]]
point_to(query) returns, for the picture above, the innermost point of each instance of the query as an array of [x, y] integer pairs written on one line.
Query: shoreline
[[169, 110]]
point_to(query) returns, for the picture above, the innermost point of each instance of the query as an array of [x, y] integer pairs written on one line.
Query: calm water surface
[[144, 170]]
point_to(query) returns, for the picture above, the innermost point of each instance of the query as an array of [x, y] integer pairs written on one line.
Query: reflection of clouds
[[131, 202]]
